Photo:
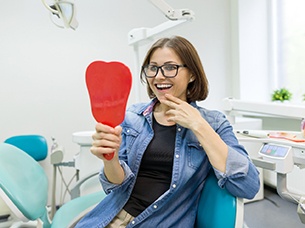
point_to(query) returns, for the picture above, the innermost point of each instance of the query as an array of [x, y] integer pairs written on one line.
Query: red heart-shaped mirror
[[109, 85]]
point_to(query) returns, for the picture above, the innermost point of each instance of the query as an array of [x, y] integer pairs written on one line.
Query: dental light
[[175, 16], [62, 13], [170, 13]]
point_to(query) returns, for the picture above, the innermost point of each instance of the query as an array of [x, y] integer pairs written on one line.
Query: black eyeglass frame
[[162, 71]]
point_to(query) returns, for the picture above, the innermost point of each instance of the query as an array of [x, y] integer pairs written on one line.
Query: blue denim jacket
[[177, 207]]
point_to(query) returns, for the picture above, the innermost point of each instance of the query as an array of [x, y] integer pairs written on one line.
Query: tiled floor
[[271, 212]]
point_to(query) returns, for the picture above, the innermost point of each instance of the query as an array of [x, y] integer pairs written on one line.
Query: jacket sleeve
[[241, 177], [108, 186]]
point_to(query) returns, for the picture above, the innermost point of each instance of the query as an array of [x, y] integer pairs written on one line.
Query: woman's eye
[[153, 68], [170, 67]]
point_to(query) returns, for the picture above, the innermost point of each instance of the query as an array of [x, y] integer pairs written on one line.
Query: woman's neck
[[160, 114]]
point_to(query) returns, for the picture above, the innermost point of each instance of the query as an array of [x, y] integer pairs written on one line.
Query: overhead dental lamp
[[175, 16], [62, 13]]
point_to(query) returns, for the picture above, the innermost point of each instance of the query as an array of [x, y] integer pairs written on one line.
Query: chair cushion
[[34, 145], [217, 207]]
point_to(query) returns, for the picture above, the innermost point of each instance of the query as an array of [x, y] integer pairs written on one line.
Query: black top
[[155, 172]]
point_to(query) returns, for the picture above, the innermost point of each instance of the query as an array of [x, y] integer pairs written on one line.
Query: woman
[[165, 149]]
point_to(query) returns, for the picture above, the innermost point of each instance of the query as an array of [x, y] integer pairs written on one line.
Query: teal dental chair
[[24, 188], [218, 208]]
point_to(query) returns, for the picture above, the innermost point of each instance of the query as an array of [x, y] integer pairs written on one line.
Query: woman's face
[[160, 85]]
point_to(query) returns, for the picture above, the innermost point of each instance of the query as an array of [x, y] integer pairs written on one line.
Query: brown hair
[[198, 89]]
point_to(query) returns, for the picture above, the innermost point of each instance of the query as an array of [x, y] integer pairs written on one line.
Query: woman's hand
[[106, 140], [181, 112]]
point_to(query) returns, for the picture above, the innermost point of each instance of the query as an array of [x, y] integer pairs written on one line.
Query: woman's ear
[[192, 78]]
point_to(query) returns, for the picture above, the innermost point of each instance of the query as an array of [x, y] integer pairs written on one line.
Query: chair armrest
[[74, 210]]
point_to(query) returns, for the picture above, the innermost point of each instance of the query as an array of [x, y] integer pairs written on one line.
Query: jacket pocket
[[195, 155], [130, 135]]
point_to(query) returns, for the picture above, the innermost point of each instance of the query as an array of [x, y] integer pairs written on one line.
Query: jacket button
[[155, 206]]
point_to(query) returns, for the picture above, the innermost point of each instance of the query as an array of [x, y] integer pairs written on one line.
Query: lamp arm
[[170, 12], [48, 7]]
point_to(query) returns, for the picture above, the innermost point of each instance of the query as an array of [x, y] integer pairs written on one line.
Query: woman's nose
[[160, 74]]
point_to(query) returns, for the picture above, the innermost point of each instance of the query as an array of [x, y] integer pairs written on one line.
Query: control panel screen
[[273, 150]]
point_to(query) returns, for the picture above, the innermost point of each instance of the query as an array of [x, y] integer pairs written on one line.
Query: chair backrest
[[217, 207], [23, 184], [34, 145]]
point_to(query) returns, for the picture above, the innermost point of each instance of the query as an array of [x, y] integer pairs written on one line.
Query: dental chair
[[24, 188], [218, 208]]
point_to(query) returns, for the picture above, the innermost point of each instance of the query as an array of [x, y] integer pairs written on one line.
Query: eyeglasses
[[168, 70]]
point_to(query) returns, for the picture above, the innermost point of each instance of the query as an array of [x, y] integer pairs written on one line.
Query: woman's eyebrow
[[170, 62], [167, 62]]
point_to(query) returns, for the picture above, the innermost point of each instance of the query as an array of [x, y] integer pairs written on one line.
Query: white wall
[[42, 67]]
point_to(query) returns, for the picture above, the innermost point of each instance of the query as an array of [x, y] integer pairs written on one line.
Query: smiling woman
[[165, 149]]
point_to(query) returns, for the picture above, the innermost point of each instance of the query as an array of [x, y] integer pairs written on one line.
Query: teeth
[[163, 86]]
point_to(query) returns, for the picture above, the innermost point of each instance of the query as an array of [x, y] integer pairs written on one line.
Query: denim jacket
[[177, 207]]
